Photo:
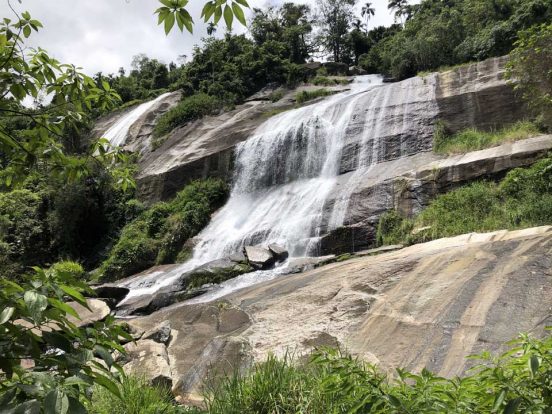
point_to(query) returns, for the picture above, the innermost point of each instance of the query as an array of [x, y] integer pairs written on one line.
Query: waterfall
[[118, 132], [286, 172]]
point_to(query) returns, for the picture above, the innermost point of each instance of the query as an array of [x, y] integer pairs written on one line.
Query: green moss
[[522, 199], [220, 275], [158, 234], [473, 139], [305, 96]]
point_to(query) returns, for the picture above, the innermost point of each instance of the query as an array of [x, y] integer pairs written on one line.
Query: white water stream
[[286, 171], [118, 132]]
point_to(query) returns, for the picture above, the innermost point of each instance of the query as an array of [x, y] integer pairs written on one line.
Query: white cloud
[[103, 35]]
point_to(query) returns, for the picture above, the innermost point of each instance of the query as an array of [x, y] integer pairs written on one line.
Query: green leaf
[[107, 384], [499, 400], [74, 293], [243, 3], [56, 402], [218, 14], [187, 20], [75, 406], [28, 407], [166, 3], [6, 314], [27, 31], [534, 364], [104, 354], [238, 12], [36, 303], [208, 10], [228, 16], [63, 307], [512, 406], [169, 23]]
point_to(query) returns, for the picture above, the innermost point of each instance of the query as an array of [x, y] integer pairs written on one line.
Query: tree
[[368, 11], [530, 68], [211, 29], [335, 19], [399, 7]]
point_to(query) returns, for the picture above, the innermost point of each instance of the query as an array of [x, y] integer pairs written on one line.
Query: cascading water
[[118, 132], [286, 171]]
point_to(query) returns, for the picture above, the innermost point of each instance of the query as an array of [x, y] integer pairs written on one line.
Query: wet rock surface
[[259, 257], [428, 305]]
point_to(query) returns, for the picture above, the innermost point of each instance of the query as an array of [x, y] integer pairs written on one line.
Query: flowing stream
[[118, 132], [287, 170]]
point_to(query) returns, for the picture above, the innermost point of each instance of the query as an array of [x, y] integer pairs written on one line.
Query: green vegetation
[[522, 199], [189, 109], [436, 34], [305, 96], [139, 397], [331, 382], [59, 381], [158, 235], [530, 67], [329, 81], [473, 139], [202, 277]]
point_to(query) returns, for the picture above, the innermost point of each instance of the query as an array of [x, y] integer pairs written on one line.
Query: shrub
[[72, 268], [189, 109], [473, 139], [333, 382], [326, 81], [305, 96], [522, 199], [158, 234]]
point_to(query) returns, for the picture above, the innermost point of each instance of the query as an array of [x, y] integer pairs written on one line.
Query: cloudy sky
[[103, 35]]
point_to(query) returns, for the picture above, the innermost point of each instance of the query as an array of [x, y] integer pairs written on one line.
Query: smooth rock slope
[[428, 305]]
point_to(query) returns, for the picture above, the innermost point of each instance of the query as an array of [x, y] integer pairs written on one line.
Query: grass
[[522, 199], [305, 96], [333, 382], [330, 81], [139, 397], [473, 139], [444, 68], [128, 104]]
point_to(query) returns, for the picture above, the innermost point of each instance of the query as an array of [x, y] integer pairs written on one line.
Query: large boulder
[[160, 333], [149, 359], [259, 257], [279, 252], [97, 311]]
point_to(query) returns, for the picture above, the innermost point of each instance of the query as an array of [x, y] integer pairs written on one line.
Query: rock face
[[470, 96], [259, 257], [409, 186], [428, 305]]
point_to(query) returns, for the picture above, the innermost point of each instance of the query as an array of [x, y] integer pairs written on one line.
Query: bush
[[158, 234], [326, 81], [333, 382], [138, 397], [71, 268], [189, 109], [473, 139], [305, 96], [522, 199]]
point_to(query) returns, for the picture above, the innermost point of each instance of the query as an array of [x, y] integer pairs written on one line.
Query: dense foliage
[[522, 199], [530, 67], [49, 362], [443, 33], [189, 109], [331, 382], [158, 235]]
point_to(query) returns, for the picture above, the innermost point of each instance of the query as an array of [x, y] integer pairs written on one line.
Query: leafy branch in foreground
[[174, 11], [32, 138], [49, 362]]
